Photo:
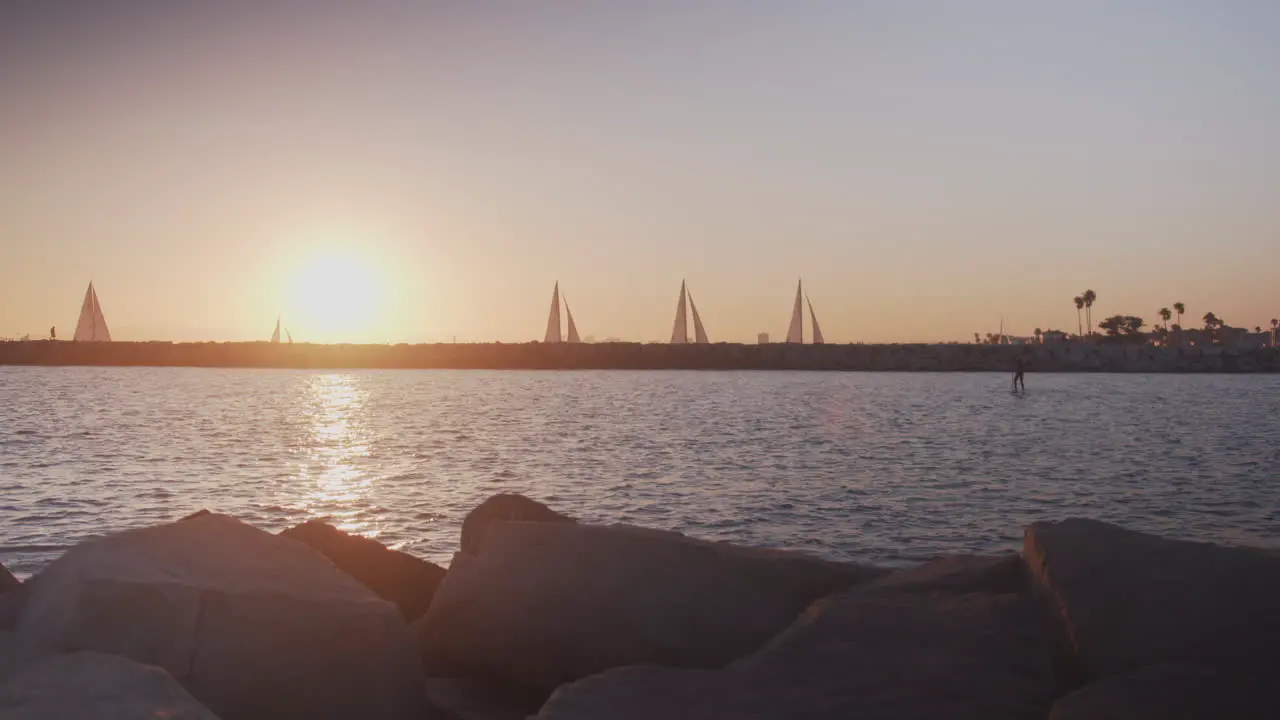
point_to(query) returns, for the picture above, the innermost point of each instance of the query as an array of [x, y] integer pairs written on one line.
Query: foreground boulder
[[12, 603], [253, 625], [7, 580], [865, 653], [1184, 692], [14, 655], [1129, 600], [398, 577], [504, 507], [94, 686], [478, 699], [548, 603]]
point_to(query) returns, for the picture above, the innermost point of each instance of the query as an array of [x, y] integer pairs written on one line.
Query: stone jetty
[[542, 617], [1055, 357]]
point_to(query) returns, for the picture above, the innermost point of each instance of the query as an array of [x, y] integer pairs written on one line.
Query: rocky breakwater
[[1058, 357], [539, 616]]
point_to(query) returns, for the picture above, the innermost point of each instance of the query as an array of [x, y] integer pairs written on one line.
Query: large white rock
[[547, 603], [94, 686], [254, 625]]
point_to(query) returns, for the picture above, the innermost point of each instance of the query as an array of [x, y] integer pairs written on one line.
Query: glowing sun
[[334, 295]]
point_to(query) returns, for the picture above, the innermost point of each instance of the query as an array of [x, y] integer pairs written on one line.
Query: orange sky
[[396, 171]]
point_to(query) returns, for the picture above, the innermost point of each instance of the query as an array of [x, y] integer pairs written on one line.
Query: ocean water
[[881, 467]]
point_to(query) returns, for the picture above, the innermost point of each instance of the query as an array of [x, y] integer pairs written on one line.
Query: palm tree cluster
[[1085, 302], [1128, 326]]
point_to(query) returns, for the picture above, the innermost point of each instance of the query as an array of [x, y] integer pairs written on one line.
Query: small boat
[[795, 333], [92, 326], [680, 330], [275, 336], [553, 320]]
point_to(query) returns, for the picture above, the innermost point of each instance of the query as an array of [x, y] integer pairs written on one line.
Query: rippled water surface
[[882, 467]]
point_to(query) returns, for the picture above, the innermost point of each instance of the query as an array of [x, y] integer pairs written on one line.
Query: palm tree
[[1089, 297], [1165, 315], [1179, 308], [1079, 306]]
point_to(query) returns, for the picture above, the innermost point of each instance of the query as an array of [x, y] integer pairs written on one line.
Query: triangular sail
[[573, 329], [91, 326], [813, 318], [699, 332], [680, 330], [795, 333], [288, 335], [275, 336], [100, 331], [553, 320], [84, 326]]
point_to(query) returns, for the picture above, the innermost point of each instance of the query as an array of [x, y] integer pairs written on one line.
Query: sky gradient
[[926, 167]]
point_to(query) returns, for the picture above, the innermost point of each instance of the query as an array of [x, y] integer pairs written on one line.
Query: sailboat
[[795, 333], [275, 336], [680, 331], [92, 326], [553, 320]]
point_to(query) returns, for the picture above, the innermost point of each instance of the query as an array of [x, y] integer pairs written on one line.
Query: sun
[[334, 296]]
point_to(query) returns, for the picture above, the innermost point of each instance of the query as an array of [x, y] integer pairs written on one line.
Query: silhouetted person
[[1017, 376], [53, 333]]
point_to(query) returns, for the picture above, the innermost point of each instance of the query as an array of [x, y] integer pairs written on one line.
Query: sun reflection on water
[[334, 481]]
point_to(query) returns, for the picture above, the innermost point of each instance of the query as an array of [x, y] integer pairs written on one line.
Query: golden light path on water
[[332, 481]]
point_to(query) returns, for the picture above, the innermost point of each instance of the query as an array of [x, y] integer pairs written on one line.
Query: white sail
[[680, 330], [699, 332], [275, 336], [795, 333], [92, 325], [813, 318], [573, 329], [84, 326], [553, 320]]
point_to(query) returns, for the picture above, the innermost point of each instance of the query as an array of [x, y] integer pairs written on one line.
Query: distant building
[[763, 338], [1053, 337]]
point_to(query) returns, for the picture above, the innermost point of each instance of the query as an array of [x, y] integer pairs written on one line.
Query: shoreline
[[1060, 357]]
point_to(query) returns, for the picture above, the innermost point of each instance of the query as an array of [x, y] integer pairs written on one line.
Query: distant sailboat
[[275, 336], [795, 333], [92, 326], [813, 320], [553, 320], [680, 329], [288, 335]]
